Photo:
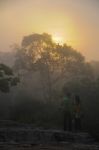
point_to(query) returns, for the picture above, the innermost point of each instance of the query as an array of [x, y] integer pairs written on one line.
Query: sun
[[58, 39]]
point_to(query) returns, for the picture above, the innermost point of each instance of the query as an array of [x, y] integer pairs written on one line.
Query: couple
[[72, 112]]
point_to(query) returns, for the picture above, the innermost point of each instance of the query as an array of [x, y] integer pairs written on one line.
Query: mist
[[49, 55]]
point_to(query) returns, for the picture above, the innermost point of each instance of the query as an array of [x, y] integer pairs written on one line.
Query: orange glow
[[58, 18]]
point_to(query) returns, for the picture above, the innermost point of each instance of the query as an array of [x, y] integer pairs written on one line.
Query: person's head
[[66, 91], [77, 99], [68, 94]]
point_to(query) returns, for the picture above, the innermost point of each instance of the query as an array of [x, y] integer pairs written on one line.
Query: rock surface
[[15, 136]]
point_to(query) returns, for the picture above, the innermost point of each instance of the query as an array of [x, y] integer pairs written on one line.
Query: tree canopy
[[56, 63], [7, 78]]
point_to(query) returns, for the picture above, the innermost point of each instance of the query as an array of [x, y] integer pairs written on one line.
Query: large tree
[[56, 64]]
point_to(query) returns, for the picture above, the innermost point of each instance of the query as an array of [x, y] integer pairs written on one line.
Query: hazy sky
[[76, 21]]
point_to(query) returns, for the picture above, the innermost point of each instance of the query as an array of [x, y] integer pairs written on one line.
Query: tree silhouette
[[56, 63], [7, 78]]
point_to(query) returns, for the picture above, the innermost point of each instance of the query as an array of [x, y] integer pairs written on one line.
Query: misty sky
[[76, 21]]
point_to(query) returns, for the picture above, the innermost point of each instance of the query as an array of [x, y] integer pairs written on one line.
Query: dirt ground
[[34, 147], [48, 147]]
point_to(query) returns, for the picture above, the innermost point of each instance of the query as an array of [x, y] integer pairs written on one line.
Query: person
[[67, 112], [77, 113]]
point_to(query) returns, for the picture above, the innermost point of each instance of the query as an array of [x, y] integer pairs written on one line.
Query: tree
[[7, 78], [56, 64]]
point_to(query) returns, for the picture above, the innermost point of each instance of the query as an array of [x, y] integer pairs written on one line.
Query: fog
[[45, 71], [37, 72]]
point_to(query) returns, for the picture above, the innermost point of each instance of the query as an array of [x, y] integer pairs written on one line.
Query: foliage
[[7, 78], [48, 70], [56, 64]]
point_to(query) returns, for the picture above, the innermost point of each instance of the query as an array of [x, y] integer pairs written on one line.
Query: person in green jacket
[[67, 111]]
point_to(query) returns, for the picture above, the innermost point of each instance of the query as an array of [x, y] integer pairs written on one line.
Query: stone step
[[42, 136], [62, 146]]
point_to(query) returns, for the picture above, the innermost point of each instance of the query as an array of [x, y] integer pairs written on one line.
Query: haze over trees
[[54, 64], [46, 70]]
